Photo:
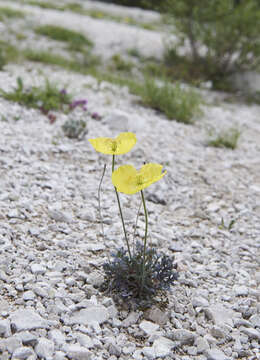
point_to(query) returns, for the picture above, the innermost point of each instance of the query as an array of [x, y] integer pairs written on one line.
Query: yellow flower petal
[[118, 146], [129, 181]]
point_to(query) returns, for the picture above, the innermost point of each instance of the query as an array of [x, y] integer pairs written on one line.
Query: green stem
[[135, 227], [145, 239], [99, 202], [120, 211]]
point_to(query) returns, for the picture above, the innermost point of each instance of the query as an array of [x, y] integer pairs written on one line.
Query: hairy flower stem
[[120, 211], [135, 227], [99, 201], [145, 239]]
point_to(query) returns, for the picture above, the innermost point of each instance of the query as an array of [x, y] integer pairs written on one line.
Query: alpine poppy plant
[[126, 179]]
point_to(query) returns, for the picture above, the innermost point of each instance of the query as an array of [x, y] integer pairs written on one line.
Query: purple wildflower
[[63, 92], [95, 116], [76, 103], [52, 118]]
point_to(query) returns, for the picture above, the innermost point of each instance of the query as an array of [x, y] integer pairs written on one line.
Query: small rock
[[213, 207], [59, 216], [215, 354], [40, 291], [255, 320], [95, 247], [95, 279], [112, 311], [242, 322], [217, 332], [2, 345], [129, 349], [228, 351], [237, 346], [90, 315], [22, 353], [202, 345], [156, 199], [13, 214], [163, 347], [45, 348], [149, 353], [87, 215], [257, 277], [5, 329], [27, 320], [118, 120], [148, 327], [185, 337], [220, 315], [85, 341], [131, 319], [27, 338], [77, 352], [199, 301], [57, 336], [251, 333], [137, 355], [59, 355], [28, 295], [246, 354], [114, 350], [3, 276], [38, 269], [13, 343], [156, 315], [176, 247], [240, 290], [70, 281], [192, 350], [34, 231], [96, 327]]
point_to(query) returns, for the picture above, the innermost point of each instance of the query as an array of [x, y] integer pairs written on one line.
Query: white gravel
[[51, 248], [109, 37]]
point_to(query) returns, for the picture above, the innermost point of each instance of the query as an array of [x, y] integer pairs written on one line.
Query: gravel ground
[[51, 248]]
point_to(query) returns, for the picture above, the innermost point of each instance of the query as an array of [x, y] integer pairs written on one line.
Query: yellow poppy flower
[[118, 146], [128, 180]]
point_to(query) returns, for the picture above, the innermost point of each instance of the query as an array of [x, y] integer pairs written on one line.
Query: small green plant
[[138, 273], [81, 65], [134, 52], [229, 226], [47, 58], [75, 40], [9, 53], [2, 60], [124, 275], [154, 69], [226, 139], [75, 7], [253, 98], [181, 67], [145, 4], [175, 102], [44, 4], [8, 13], [74, 129], [119, 64], [44, 98]]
